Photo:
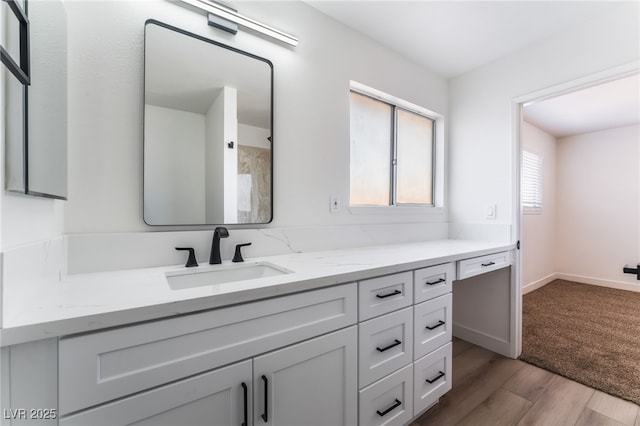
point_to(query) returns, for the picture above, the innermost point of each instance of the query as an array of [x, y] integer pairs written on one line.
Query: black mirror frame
[[233, 49]]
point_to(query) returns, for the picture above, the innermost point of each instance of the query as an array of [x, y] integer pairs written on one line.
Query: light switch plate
[[490, 211]]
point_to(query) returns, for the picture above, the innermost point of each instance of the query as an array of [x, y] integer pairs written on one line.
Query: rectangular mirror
[[36, 114], [208, 122]]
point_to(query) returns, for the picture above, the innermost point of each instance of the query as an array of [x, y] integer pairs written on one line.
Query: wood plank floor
[[489, 389]]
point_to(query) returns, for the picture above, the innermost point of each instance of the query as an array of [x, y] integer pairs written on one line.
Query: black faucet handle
[[221, 231], [191, 261], [237, 257]]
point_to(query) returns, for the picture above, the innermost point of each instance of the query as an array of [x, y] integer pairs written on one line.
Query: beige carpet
[[587, 333]]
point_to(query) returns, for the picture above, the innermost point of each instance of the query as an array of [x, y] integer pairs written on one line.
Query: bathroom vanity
[[343, 337]]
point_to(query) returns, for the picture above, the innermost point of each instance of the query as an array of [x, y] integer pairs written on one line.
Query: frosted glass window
[[392, 153], [371, 127], [531, 187], [414, 158]]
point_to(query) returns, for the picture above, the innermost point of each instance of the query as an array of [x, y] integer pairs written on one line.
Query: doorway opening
[[579, 223]]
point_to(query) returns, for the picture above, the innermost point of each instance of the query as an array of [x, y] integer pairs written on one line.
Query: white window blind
[[531, 188]]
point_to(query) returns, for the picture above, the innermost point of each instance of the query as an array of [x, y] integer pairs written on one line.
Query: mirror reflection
[[36, 124], [207, 131]]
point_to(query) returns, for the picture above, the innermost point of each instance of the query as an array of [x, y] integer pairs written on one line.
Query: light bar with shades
[[231, 15]]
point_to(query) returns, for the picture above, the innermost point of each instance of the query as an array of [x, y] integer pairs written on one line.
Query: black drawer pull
[[433, 327], [393, 407], [393, 345], [265, 415], [441, 280], [245, 399], [489, 264], [439, 376], [384, 296]]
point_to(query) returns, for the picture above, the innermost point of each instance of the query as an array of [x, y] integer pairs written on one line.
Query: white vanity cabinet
[[404, 344], [308, 383], [372, 352], [153, 372]]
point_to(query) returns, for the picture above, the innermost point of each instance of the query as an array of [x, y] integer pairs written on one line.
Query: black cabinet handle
[[441, 280], [245, 397], [265, 415], [395, 405], [433, 327], [489, 264], [384, 296], [439, 376], [393, 345]]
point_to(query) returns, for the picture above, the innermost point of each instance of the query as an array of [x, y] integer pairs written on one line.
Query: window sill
[[397, 210]]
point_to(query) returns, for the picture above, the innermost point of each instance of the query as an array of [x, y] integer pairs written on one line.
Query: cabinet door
[[310, 383], [215, 398]]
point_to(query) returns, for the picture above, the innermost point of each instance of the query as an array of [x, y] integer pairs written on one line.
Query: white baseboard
[[540, 283], [620, 285], [494, 344]]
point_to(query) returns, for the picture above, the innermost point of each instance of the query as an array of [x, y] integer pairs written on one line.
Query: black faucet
[[219, 232]]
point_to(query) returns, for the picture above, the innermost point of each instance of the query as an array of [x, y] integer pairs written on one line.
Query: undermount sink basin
[[222, 274]]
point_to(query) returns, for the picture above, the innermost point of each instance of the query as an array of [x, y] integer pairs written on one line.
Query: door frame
[[517, 104]]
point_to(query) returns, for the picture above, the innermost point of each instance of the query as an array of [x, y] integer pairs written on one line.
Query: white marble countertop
[[85, 302]]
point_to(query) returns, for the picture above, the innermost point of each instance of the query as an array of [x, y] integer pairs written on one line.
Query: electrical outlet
[[335, 204], [490, 211]]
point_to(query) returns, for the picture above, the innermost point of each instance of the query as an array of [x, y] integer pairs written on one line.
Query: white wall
[[482, 150], [538, 239], [230, 156], [311, 115], [253, 136], [214, 154], [172, 178], [598, 210]]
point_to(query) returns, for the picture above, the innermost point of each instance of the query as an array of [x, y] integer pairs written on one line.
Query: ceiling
[[605, 106], [455, 37]]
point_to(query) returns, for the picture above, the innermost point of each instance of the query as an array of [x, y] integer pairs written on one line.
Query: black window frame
[[20, 68]]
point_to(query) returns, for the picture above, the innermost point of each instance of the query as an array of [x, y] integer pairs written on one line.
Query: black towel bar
[[629, 270]]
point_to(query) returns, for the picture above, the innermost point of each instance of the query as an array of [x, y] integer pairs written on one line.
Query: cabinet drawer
[[203, 399], [380, 295], [432, 325], [102, 366], [389, 401], [432, 378], [433, 281], [480, 265], [385, 344]]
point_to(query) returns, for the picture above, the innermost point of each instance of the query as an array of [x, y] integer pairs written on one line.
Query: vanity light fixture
[[230, 15]]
